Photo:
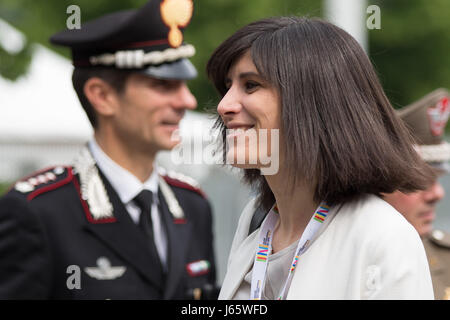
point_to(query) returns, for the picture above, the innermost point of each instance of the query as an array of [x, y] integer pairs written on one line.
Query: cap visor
[[181, 69], [442, 167]]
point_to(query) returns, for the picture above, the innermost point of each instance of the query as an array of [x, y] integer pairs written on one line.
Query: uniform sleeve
[[399, 268], [25, 260]]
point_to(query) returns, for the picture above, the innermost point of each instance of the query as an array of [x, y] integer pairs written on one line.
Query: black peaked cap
[[137, 39]]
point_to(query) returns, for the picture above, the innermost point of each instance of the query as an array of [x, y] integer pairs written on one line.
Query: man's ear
[[103, 98]]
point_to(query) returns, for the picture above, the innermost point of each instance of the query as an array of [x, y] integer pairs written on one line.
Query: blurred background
[[42, 124]]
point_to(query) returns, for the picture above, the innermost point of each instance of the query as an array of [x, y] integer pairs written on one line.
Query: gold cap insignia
[[175, 14]]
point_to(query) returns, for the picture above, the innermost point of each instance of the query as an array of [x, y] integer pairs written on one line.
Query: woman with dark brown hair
[[327, 233]]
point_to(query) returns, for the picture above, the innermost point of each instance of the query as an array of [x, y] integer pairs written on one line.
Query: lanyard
[[265, 248]]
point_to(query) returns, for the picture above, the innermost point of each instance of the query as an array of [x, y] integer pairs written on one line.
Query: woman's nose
[[229, 104]]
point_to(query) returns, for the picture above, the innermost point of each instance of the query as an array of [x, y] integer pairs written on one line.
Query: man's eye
[[164, 84]]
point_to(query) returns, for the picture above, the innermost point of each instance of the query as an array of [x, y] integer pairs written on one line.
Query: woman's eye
[[251, 85]]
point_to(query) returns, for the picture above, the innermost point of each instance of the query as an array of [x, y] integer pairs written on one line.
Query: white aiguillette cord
[[265, 248]]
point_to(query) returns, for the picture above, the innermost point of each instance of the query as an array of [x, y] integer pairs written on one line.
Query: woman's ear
[[103, 98]]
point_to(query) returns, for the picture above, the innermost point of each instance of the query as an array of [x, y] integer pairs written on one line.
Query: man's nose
[[184, 99], [434, 193]]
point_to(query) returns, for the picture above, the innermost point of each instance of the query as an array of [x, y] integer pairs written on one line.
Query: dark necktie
[[144, 200]]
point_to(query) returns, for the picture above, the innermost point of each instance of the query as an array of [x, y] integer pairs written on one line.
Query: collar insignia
[[92, 188], [172, 202]]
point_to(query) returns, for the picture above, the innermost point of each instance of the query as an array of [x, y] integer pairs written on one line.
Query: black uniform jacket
[[52, 248]]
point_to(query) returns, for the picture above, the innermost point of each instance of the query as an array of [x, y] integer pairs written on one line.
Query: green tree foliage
[[213, 21], [13, 65], [3, 188], [410, 51]]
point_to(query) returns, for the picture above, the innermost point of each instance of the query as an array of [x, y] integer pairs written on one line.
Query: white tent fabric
[[42, 105]]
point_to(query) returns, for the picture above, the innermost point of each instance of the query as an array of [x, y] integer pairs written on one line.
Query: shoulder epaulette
[[441, 238], [44, 181], [180, 180]]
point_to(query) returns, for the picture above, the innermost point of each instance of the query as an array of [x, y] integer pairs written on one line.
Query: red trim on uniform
[[87, 212], [179, 221], [184, 185], [31, 176], [143, 44], [40, 172], [53, 186]]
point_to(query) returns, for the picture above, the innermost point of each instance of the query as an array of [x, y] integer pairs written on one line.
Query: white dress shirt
[[128, 187]]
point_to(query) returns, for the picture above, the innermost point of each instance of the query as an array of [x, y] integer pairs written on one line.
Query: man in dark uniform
[[426, 120], [113, 225]]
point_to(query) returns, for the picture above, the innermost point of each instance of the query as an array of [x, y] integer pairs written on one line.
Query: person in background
[[114, 225], [427, 119]]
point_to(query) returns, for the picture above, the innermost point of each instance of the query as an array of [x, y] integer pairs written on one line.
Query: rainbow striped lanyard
[[265, 248]]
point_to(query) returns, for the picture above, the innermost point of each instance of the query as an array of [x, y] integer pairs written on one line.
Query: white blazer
[[367, 250]]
